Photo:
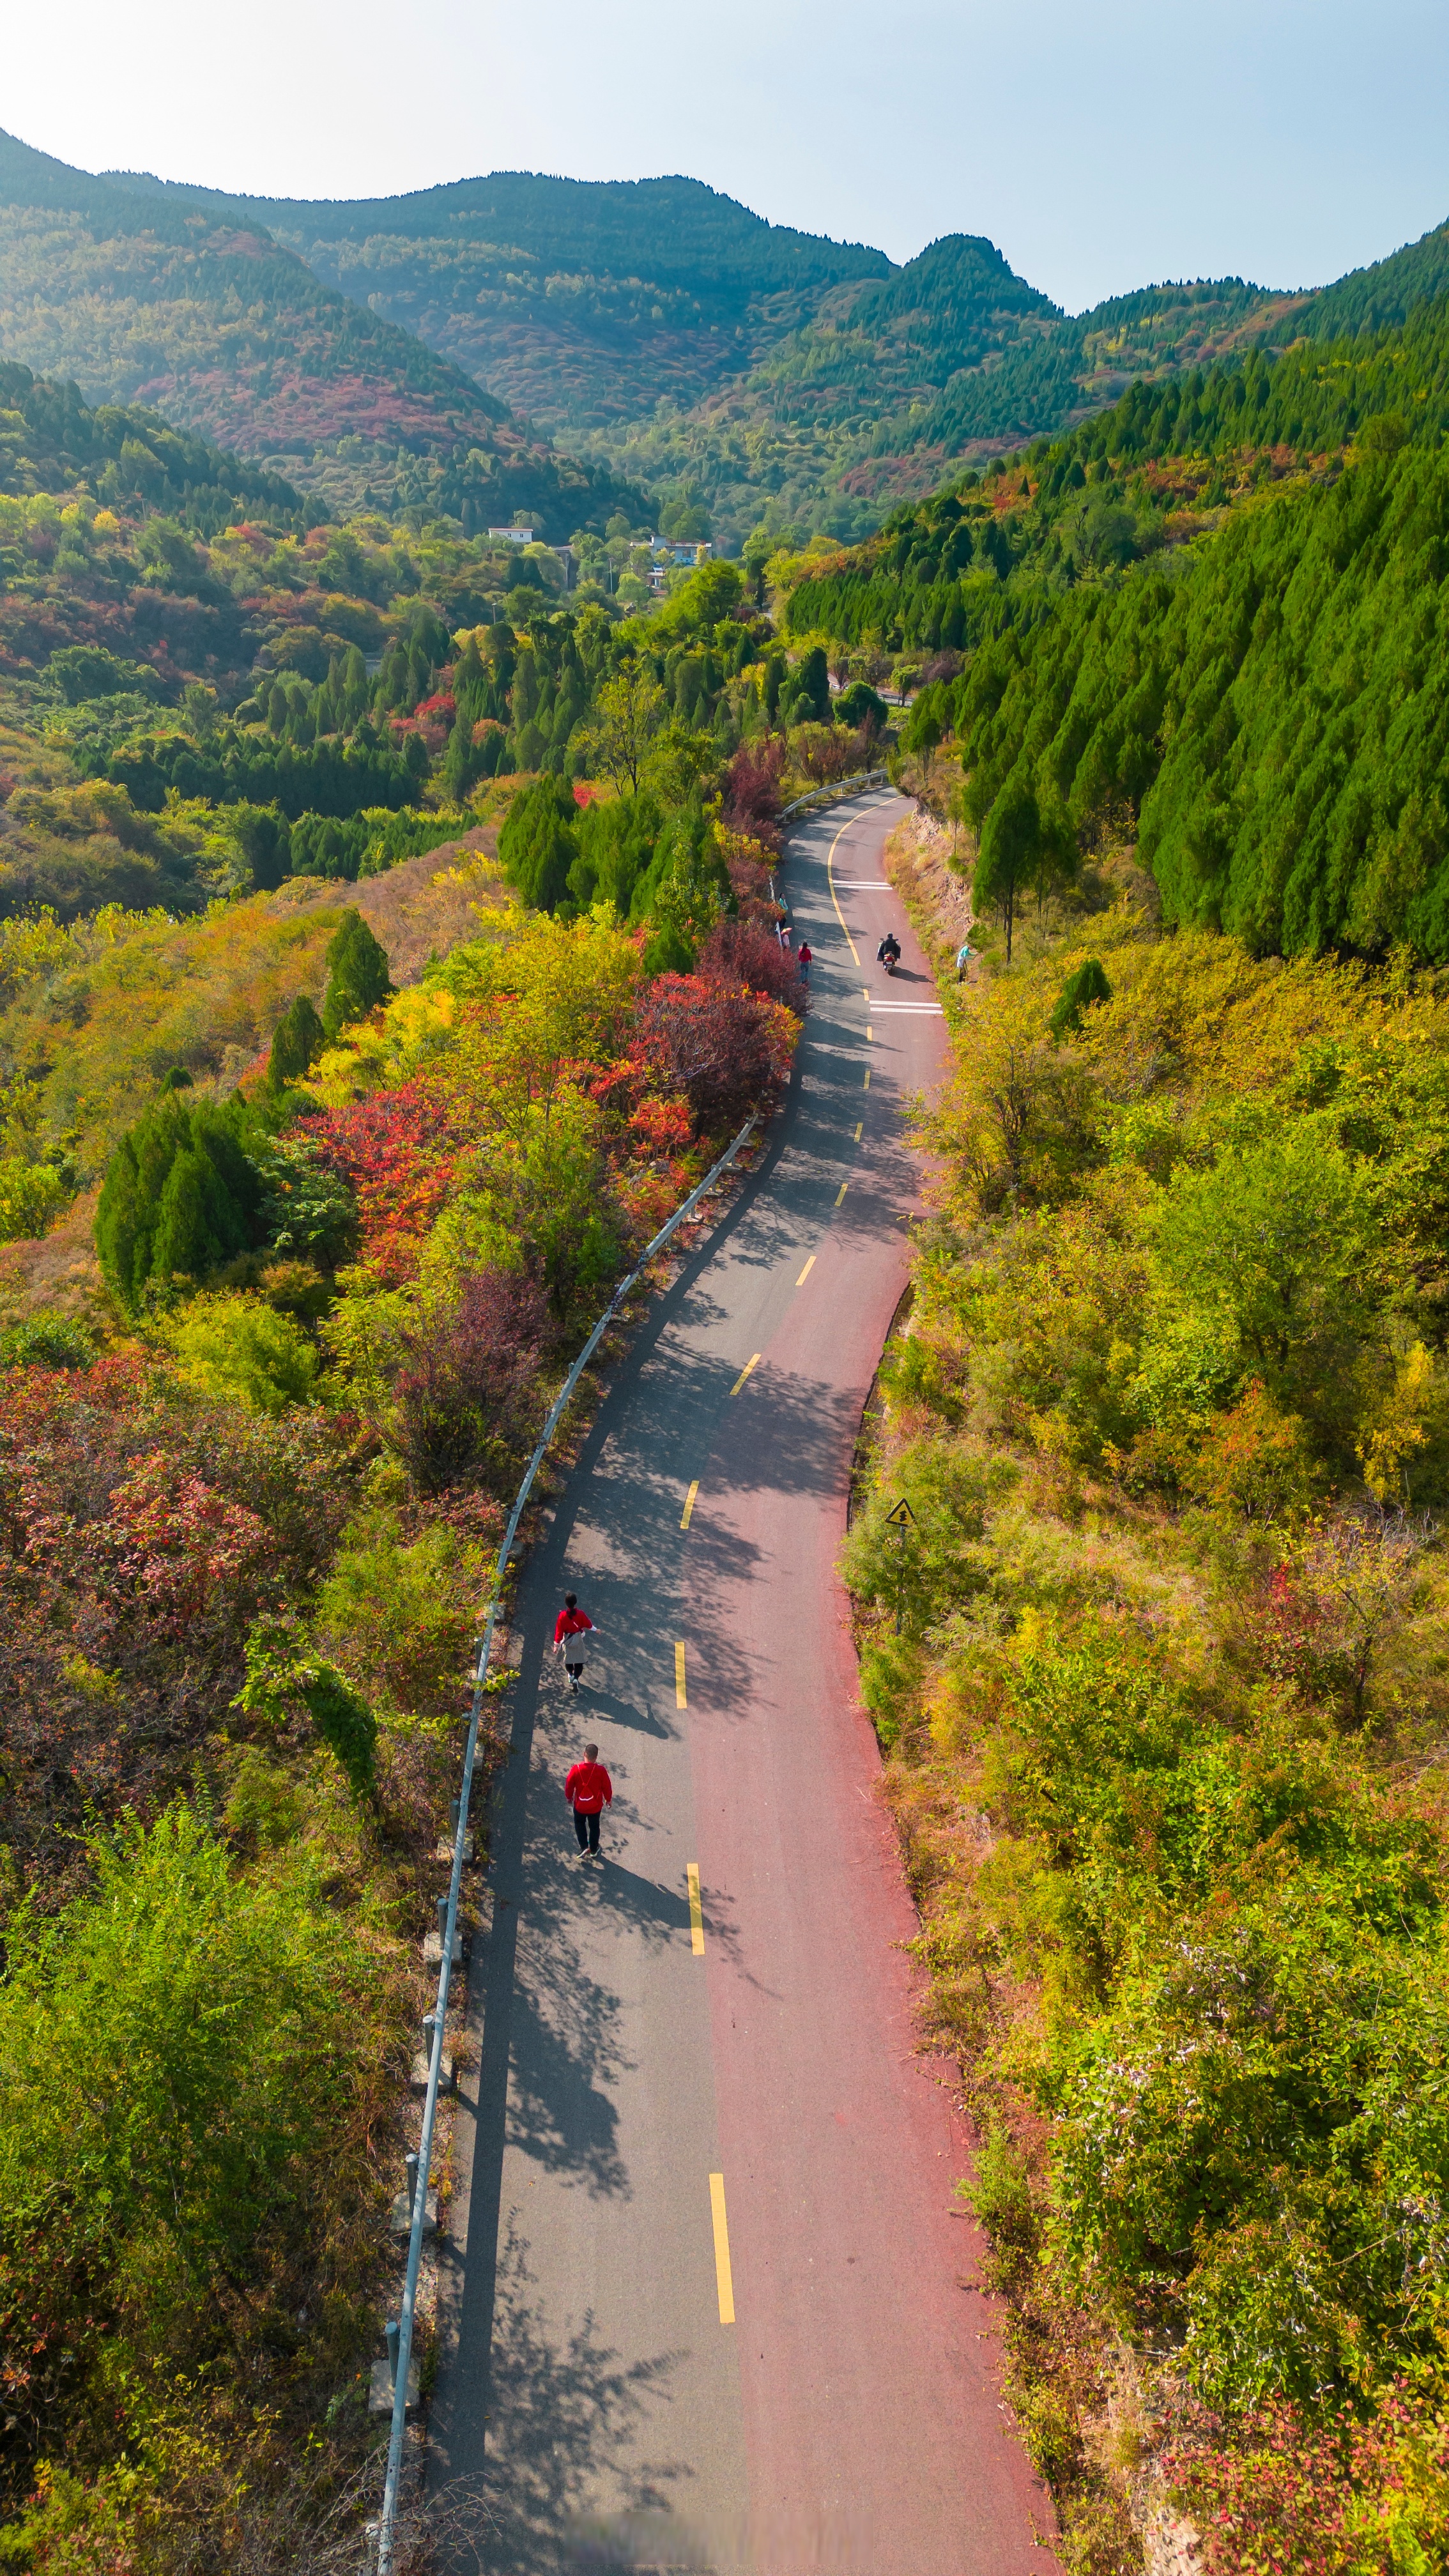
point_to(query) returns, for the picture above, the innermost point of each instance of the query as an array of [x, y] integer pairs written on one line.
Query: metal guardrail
[[831, 787], [449, 1928]]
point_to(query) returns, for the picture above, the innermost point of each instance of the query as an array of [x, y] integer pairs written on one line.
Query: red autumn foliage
[[397, 1149], [752, 790], [659, 1127], [465, 1391], [140, 1533], [741, 952], [174, 1545], [1277, 2495], [726, 1049]]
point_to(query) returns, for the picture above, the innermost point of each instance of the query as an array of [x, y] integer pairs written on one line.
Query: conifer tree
[[357, 978], [180, 1196], [296, 1044], [538, 843]]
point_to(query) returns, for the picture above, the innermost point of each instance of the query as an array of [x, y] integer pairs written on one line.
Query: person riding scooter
[[889, 953]]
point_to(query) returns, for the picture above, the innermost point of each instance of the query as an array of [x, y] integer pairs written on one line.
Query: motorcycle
[[890, 961]]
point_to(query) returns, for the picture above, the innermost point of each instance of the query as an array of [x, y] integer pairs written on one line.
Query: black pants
[[587, 1829]]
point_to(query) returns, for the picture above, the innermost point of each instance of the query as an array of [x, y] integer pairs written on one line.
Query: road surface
[[708, 2298]]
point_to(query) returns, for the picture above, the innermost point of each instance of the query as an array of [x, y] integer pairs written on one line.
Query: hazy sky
[[1101, 147]]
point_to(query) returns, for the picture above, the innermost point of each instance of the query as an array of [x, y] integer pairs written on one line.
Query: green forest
[[1208, 618], [240, 343], [550, 350]]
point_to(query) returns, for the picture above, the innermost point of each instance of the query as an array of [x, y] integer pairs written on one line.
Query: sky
[[1101, 147]]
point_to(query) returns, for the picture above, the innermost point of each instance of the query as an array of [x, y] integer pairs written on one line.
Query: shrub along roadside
[[1164, 1719]]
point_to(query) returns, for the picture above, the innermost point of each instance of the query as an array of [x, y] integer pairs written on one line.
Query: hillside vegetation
[[235, 339], [362, 1013], [578, 302], [1160, 1669], [750, 376], [1209, 620]]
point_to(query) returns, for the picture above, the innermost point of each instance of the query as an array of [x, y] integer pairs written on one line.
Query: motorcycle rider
[[889, 952]]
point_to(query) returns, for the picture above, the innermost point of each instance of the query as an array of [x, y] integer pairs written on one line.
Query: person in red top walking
[[572, 1628], [804, 960], [589, 1790]]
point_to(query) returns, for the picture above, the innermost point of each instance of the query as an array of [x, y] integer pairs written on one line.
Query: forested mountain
[[808, 436], [664, 331], [741, 372], [577, 302], [1212, 618], [138, 296]]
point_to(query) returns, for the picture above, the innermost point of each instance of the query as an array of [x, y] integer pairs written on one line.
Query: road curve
[[707, 2297]]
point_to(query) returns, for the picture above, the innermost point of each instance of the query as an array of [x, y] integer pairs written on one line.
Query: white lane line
[[864, 885]]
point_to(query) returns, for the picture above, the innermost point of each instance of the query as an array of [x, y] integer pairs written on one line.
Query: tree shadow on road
[[556, 2414]]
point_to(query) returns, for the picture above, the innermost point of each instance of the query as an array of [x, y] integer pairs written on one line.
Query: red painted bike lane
[[876, 2439]]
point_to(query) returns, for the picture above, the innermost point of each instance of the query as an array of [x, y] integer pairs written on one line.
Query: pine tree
[[180, 1196], [1010, 854]]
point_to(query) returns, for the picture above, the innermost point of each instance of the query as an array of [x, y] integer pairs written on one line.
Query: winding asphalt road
[[707, 2296]]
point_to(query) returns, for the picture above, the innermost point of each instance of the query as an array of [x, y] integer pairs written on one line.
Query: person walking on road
[[589, 1790], [804, 961], [572, 1630]]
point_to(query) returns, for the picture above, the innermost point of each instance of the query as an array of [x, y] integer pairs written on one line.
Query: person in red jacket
[[589, 1790], [804, 960], [572, 1628]]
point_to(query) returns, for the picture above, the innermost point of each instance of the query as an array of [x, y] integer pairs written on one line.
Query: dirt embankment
[[928, 863]]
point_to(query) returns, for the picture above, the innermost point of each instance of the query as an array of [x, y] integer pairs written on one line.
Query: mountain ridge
[[136, 297], [526, 344]]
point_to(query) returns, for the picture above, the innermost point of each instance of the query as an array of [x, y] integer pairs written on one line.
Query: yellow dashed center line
[[696, 1910], [840, 1193], [724, 2279], [870, 1033], [679, 1699], [865, 1086], [744, 1373], [688, 1504], [805, 1273], [860, 1122], [834, 897]]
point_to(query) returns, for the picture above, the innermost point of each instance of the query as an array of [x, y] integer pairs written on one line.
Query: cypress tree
[[296, 1044], [538, 844], [357, 978], [462, 761], [179, 1196], [187, 1239]]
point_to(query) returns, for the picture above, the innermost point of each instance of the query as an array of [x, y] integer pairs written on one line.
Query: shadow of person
[[595, 1702], [653, 1909]]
